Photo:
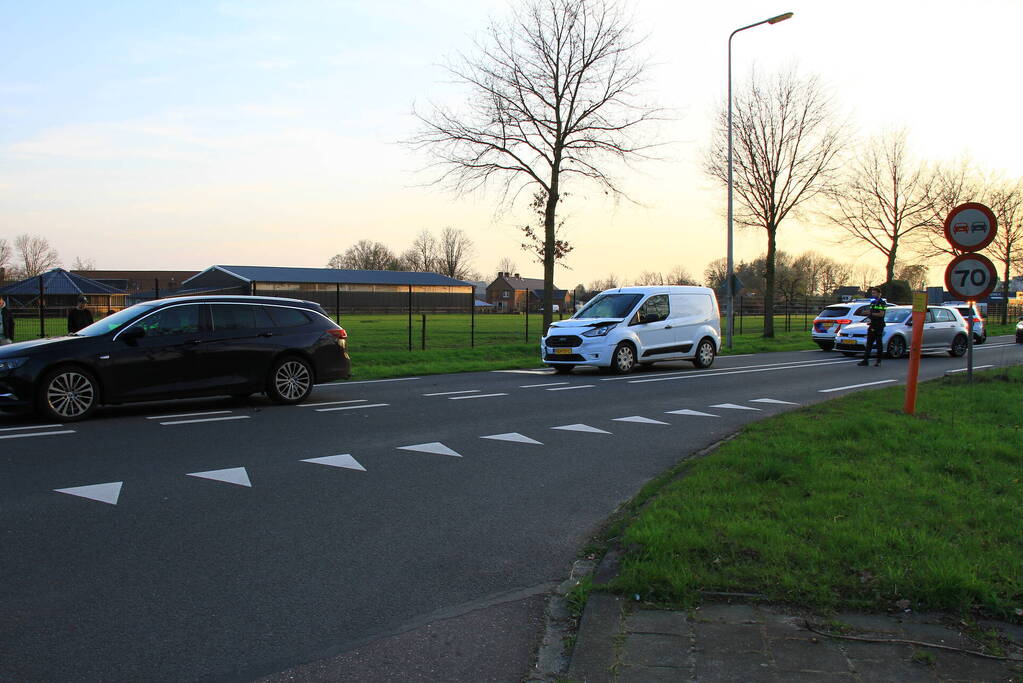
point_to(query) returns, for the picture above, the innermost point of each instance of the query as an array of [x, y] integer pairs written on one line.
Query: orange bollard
[[919, 314]]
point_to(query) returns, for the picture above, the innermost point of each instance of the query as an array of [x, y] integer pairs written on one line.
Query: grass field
[[850, 503]]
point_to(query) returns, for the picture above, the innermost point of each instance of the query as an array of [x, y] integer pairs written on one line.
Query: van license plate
[[562, 352]]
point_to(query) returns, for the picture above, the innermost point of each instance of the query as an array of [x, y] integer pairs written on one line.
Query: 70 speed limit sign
[[970, 277]]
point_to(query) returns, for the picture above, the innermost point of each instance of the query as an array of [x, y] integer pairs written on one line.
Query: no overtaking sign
[[969, 228]]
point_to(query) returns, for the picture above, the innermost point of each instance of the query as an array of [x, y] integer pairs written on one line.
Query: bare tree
[[36, 255], [833, 276], [1006, 201], [609, 282], [915, 274], [506, 265], [537, 243], [648, 278], [422, 256], [787, 142], [885, 199], [865, 276], [454, 251], [365, 255], [82, 263], [679, 276], [952, 184], [716, 273], [551, 97], [5, 257]]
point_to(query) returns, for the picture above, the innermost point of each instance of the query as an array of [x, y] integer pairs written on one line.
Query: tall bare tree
[[886, 197], [422, 256], [787, 139], [952, 184], [36, 255], [679, 276], [454, 253], [1006, 201], [365, 255], [913, 273], [551, 97], [648, 278], [506, 265], [716, 273], [5, 257]]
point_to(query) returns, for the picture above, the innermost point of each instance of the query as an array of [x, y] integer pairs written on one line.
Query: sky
[[156, 135]]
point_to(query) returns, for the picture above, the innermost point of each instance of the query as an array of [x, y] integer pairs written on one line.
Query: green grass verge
[[850, 503]]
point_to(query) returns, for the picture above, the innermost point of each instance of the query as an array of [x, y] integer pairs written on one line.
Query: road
[[384, 530]]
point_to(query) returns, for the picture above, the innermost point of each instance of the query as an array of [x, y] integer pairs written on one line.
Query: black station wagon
[[177, 348]]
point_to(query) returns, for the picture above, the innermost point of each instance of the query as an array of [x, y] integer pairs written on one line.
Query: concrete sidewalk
[[618, 640]]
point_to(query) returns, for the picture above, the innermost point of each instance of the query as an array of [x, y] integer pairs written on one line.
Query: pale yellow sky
[[247, 133]]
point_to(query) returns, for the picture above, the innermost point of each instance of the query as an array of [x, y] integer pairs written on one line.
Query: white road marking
[[577, 386], [104, 493], [435, 447], [514, 437], [345, 461], [738, 355], [26, 436], [677, 374], [379, 381], [798, 365], [167, 417], [811, 351], [232, 475], [540, 386], [544, 371], [640, 420], [686, 411], [452, 393], [367, 405], [332, 403], [734, 406], [206, 419], [773, 400], [14, 429], [581, 428], [462, 398], [975, 367], [854, 386]]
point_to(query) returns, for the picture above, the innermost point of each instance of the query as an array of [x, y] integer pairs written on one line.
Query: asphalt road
[[384, 530]]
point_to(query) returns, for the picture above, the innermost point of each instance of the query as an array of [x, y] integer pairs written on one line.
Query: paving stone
[[651, 674], [952, 665], [734, 666], [796, 654], [939, 635], [889, 671], [730, 614], [875, 623], [655, 649], [814, 677], [657, 621], [856, 650], [728, 637], [593, 654]]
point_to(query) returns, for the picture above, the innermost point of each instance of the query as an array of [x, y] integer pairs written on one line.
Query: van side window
[[653, 309]]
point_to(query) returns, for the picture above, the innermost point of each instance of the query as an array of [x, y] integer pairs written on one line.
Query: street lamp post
[[730, 265]]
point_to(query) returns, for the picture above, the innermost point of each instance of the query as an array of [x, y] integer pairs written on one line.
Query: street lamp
[[731, 276]]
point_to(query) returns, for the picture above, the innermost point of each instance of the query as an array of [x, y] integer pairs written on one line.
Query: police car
[[829, 321]]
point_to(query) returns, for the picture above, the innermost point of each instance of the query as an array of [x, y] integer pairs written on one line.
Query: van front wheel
[[623, 361], [705, 353]]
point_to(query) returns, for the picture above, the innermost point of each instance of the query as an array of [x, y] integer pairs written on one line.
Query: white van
[[621, 328]]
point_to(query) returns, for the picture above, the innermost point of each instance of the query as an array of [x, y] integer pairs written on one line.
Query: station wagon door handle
[[266, 334], [667, 327]]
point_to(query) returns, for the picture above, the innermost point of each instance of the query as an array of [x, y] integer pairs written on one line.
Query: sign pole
[[915, 344], [969, 344]]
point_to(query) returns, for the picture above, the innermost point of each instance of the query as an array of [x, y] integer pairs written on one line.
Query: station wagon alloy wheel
[[291, 381], [68, 394]]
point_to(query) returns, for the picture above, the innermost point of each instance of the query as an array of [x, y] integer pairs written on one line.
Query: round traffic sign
[[970, 227], [970, 277]]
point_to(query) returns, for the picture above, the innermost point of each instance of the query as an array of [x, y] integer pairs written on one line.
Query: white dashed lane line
[[171, 417], [26, 436], [15, 429], [206, 419], [542, 386], [577, 386], [462, 398], [855, 386], [453, 393], [358, 407], [331, 403]]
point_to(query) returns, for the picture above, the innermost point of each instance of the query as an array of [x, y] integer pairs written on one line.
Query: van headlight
[[600, 331], [8, 364]]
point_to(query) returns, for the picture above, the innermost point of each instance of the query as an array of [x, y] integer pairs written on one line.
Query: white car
[[944, 330], [979, 327], [829, 321], [629, 326]]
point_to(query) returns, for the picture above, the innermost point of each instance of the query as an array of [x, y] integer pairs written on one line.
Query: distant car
[[979, 326], [1019, 331], [176, 348], [944, 330], [829, 321]]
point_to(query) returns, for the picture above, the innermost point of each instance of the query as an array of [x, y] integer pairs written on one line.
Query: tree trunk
[[772, 252], [1005, 294], [549, 218], [889, 267]]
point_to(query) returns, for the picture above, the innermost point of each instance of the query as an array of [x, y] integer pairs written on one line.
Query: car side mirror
[[133, 334]]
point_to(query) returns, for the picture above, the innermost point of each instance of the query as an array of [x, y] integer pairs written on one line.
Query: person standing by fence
[[6, 324], [78, 317]]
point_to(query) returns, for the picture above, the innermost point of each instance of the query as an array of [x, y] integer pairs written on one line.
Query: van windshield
[[609, 306]]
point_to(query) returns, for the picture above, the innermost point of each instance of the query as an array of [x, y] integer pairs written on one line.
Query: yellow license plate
[[562, 352], [847, 341]]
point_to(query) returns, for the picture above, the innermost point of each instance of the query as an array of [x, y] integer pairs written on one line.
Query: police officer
[[78, 317], [875, 326], [6, 324]]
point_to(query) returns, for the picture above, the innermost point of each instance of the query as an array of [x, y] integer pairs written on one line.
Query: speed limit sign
[[971, 277]]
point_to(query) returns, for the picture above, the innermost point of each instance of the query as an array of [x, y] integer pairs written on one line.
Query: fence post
[[740, 314], [424, 330], [337, 303], [156, 287], [42, 312], [526, 306], [472, 320], [410, 317]]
